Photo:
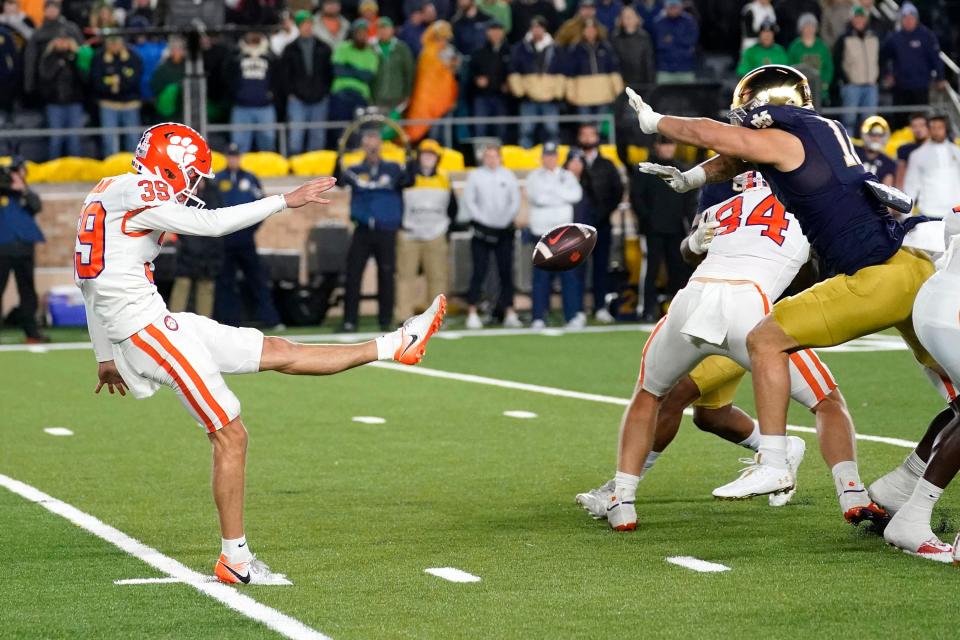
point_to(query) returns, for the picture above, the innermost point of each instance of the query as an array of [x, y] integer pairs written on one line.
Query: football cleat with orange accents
[[871, 513], [621, 514], [596, 500], [417, 331], [252, 571]]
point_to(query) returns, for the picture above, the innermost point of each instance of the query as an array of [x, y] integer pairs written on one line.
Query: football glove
[[679, 181], [646, 116], [703, 235]]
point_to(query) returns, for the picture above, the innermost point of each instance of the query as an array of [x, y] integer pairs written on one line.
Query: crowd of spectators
[[307, 62]]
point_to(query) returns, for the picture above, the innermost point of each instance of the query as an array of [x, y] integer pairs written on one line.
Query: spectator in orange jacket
[[435, 88]]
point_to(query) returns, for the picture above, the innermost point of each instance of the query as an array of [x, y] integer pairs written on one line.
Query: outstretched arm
[[193, 221]]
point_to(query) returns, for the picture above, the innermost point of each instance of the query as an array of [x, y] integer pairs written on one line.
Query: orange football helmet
[[176, 154]]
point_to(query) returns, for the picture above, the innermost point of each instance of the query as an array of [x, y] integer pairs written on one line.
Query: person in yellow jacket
[[435, 89]]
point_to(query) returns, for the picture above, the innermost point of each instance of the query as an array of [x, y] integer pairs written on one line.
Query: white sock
[[387, 345], [773, 451], [914, 465], [850, 490], [626, 486], [919, 508], [753, 440], [236, 550], [649, 462]]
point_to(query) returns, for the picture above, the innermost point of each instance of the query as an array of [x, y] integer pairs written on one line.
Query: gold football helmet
[[875, 133], [773, 84]]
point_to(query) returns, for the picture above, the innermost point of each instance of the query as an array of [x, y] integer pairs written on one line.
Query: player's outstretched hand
[[679, 181], [310, 192], [646, 116], [108, 375]]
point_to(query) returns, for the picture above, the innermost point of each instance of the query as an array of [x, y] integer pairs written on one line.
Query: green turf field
[[354, 513]]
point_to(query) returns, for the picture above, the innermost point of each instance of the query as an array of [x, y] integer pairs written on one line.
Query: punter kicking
[[141, 345]]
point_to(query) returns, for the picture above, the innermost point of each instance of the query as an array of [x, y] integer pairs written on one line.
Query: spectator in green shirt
[[355, 65], [765, 51], [809, 50]]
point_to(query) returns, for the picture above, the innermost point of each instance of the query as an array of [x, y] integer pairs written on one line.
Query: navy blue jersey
[[904, 150], [845, 224], [713, 194], [880, 166]]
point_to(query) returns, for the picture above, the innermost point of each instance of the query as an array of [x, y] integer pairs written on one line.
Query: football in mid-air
[[564, 247]]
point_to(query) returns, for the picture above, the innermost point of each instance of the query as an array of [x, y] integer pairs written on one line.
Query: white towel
[[710, 320], [926, 236]]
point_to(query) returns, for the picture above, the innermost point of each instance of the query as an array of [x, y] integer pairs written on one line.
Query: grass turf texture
[[354, 513]]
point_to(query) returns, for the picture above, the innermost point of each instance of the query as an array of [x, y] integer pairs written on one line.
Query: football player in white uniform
[[756, 249], [912, 489], [140, 345]]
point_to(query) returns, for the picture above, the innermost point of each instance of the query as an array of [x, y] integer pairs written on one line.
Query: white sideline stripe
[[154, 580], [876, 342], [696, 564], [452, 574], [578, 395], [58, 431], [242, 603], [368, 420]]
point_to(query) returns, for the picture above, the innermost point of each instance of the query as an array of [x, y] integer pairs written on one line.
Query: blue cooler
[[65, 307]]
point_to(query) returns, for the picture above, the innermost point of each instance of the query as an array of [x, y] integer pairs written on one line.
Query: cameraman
[[18, 235]]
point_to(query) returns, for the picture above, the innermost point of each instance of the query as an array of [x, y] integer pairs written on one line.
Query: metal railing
[[281, 129]]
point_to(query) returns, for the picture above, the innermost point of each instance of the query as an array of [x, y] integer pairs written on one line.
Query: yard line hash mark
[[452, 574], [579, 395], [520, 414], [696, 564], [156, 580], [229, 596], [58, 431]]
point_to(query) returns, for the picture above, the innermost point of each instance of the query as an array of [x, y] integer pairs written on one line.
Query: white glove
[[646, 116], [679, 181], [703, 235]]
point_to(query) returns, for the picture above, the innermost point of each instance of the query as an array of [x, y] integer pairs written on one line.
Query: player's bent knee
[[231, 439], [767, 338]]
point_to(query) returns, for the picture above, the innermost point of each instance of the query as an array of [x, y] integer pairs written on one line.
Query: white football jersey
[[757, 240], [119, 233]]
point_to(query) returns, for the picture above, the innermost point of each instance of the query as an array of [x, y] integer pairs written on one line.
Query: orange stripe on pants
[[191, 372], [643, 356], [807, 375], [156, 357], [812, 355], [948, 385]]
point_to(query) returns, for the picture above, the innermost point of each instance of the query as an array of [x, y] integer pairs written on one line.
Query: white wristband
[[696, 177]]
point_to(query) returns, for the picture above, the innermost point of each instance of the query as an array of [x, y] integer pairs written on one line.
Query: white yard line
[[579, 395], [452, 574], [154, 581], [229, 596], [875, 342], [696, 564]]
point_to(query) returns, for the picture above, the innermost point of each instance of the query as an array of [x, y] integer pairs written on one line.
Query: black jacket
[[660, 209], [635, 52], [602, 185], [492, 64], [116, 78], [294, 79], [60, 79]]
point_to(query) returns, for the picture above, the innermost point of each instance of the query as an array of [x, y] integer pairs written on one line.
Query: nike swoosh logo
[[244, 579], [554, 240], [413, 339], [240, 546]]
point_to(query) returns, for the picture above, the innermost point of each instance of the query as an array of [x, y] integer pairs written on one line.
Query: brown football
[[564, 247]]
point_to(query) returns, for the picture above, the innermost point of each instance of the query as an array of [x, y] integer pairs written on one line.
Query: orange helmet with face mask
[[177, 155]]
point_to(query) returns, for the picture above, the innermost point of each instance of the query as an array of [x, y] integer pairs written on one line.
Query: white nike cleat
[[796, 447], [596, 500], [604, 316], [251, 572], [577, 322], [891, 491], [621, 514], [474, 321], [756, 480], [416, 332], [538, 325], [917, 539], [511, 320]]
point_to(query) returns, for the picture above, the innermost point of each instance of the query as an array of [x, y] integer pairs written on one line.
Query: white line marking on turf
[[58, 431], [368, 420], [578, 395], [696, 564], [876, 342], [523, 415], [242, 603], [155, 580], [452, 574]]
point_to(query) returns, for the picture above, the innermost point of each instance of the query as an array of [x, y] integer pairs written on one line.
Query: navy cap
[[233, 149], [550, 148]]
